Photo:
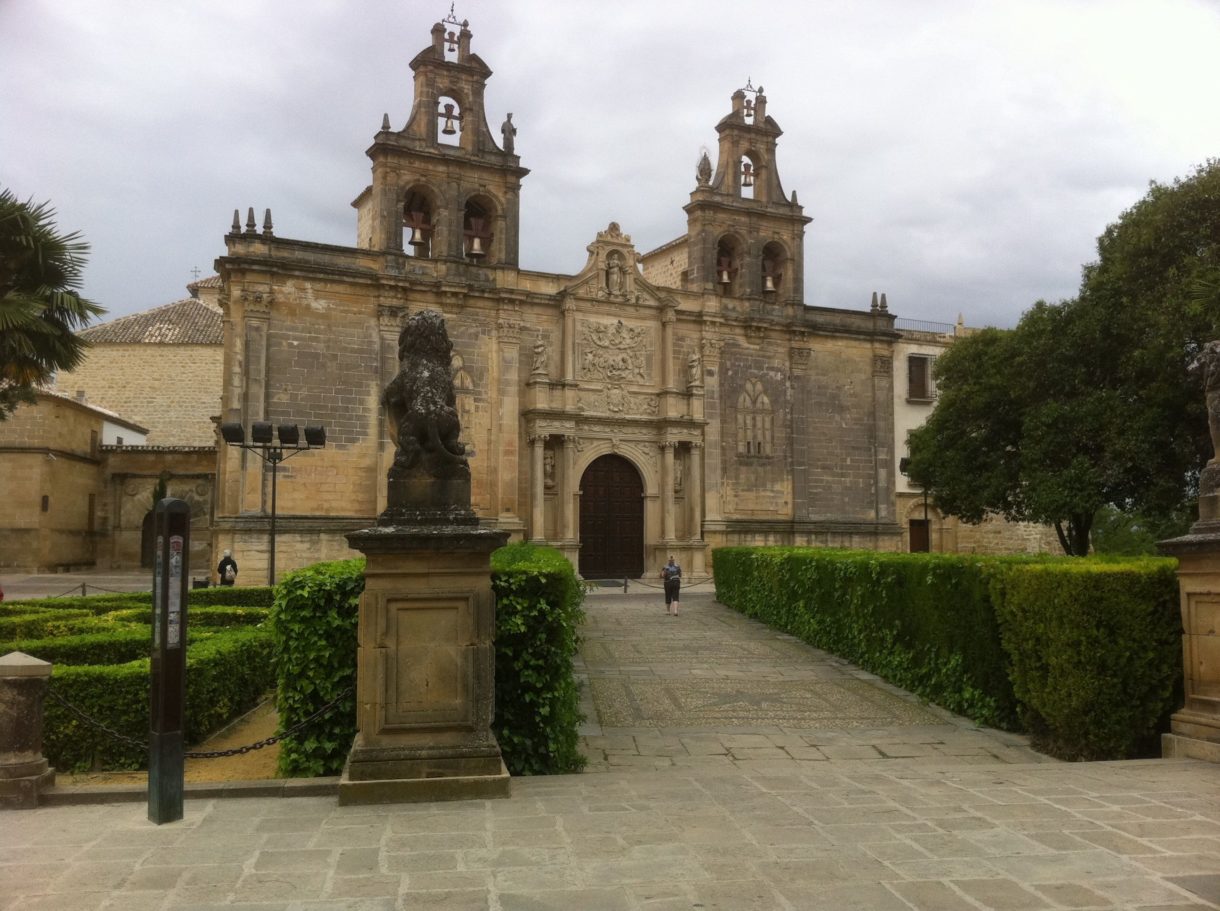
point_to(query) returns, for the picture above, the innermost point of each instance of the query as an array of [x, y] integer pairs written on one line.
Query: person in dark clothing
[[671, 574], [227, 570]]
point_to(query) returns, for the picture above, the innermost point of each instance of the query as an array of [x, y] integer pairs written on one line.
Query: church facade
[[655, 403]]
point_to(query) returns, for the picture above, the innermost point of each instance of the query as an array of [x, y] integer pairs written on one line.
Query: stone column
[[800, 442], [569, 340], [667, 492], [569, 491], [24, 771], [537, 489], [713, 412], [257, 308], [694, 490], [667, 346], [506, 454], [389, 325]]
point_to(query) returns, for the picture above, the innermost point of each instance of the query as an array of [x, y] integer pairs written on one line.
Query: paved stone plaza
[[737, 795]]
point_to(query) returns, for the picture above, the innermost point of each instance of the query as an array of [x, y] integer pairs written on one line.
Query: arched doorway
[[611, 520]]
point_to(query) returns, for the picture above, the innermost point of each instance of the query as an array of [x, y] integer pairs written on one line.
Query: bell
[[768, 283], [724, 277], [476, 247], [747, 174], [449, 129], [417, 237], [451, 38]]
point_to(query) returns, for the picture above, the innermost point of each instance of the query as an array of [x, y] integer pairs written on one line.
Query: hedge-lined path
[[713, 688]]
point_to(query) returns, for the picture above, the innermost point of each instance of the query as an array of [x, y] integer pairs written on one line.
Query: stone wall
[[173, 390]]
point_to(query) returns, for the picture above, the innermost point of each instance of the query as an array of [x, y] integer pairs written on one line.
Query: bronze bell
[[747, 174], [449, 129]]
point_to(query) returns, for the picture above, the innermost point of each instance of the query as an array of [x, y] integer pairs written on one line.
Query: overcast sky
[[961, 155]]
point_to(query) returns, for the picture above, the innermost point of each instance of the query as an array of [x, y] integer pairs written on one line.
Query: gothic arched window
[[754, 421]]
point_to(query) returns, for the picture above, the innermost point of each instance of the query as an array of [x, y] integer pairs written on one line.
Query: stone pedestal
[[24, 771], [1195, 728], [426, 665]]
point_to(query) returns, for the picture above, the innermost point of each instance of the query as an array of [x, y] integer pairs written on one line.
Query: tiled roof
[[184, 322], [212, 281]]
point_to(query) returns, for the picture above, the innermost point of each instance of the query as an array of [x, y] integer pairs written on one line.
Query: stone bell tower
[[442, 187], [746, 236]]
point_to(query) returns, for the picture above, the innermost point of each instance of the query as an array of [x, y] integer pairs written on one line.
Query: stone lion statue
[[421, 403]]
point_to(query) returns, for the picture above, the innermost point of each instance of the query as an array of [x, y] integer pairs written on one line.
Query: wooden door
[[921, 539], [611, 520]]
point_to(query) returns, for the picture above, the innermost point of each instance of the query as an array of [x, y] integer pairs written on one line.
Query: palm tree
[[40, 308]]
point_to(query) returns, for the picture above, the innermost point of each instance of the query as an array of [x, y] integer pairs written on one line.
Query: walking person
[[227, 570], [671, 574]]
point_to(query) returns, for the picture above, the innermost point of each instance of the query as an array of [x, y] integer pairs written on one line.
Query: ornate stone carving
[[711, 345], [509, 132], [800, 357], [509, 329], [1207, 366], [755, 334], [538, 367], [694, 370], [257, 303], [616, 280], [616, 400], [614, 352], [390, 318], [703, 170], [548, 468], [882, 365]]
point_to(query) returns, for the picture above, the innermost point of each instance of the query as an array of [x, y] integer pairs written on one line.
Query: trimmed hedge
[[218, 596], [313, 624], [538, 612], [1095, 652], [1081, 653], [314, 621], [100, 646], [924, 622], [226, 675]]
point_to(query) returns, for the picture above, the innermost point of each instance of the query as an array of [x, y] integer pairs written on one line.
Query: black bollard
[[171, 571]]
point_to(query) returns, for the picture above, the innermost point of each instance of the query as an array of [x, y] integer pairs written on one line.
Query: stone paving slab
[[894, 835], [711, 688], [741, 802]]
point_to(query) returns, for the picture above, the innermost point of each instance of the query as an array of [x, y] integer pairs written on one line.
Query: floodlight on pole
[[262, 445]]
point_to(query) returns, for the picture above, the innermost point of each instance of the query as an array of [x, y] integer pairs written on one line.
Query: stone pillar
[[713, 412], [667, 492], [389, 325], [569, 340], [800, 442], [537, 489], [506, 454], [24, 771], [668, 318], [257, 308], [1195, 728], [571, 485], [694, 491]]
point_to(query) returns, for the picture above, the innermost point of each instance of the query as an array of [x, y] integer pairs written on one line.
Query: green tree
[[1089, 402], [40, 306]]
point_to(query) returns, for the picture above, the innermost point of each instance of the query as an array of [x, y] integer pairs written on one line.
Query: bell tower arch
[[746, 235], [443, 188]]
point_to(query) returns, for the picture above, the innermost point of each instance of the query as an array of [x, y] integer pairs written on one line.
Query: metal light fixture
[[273, 453]]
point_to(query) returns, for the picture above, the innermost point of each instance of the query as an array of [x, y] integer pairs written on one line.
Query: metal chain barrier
[[204, 754], [654, 585]]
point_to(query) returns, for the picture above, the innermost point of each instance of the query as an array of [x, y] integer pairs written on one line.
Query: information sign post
[[171, 570]]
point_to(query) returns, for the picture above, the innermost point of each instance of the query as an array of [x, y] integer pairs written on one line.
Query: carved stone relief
[[616, 400], [614, 352]]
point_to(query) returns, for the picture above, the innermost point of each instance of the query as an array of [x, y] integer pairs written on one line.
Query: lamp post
[[262, 445]]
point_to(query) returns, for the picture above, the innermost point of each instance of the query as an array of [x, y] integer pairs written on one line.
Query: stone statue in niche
[[616, 279], [422, 404], [693, 365], [509, 132], [538, 367], [679, 479], [548, 469]]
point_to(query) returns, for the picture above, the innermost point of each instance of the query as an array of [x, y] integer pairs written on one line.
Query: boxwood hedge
[[1083, 654]]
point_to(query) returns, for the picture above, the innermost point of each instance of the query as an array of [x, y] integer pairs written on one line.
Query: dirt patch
[[256, 725]]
